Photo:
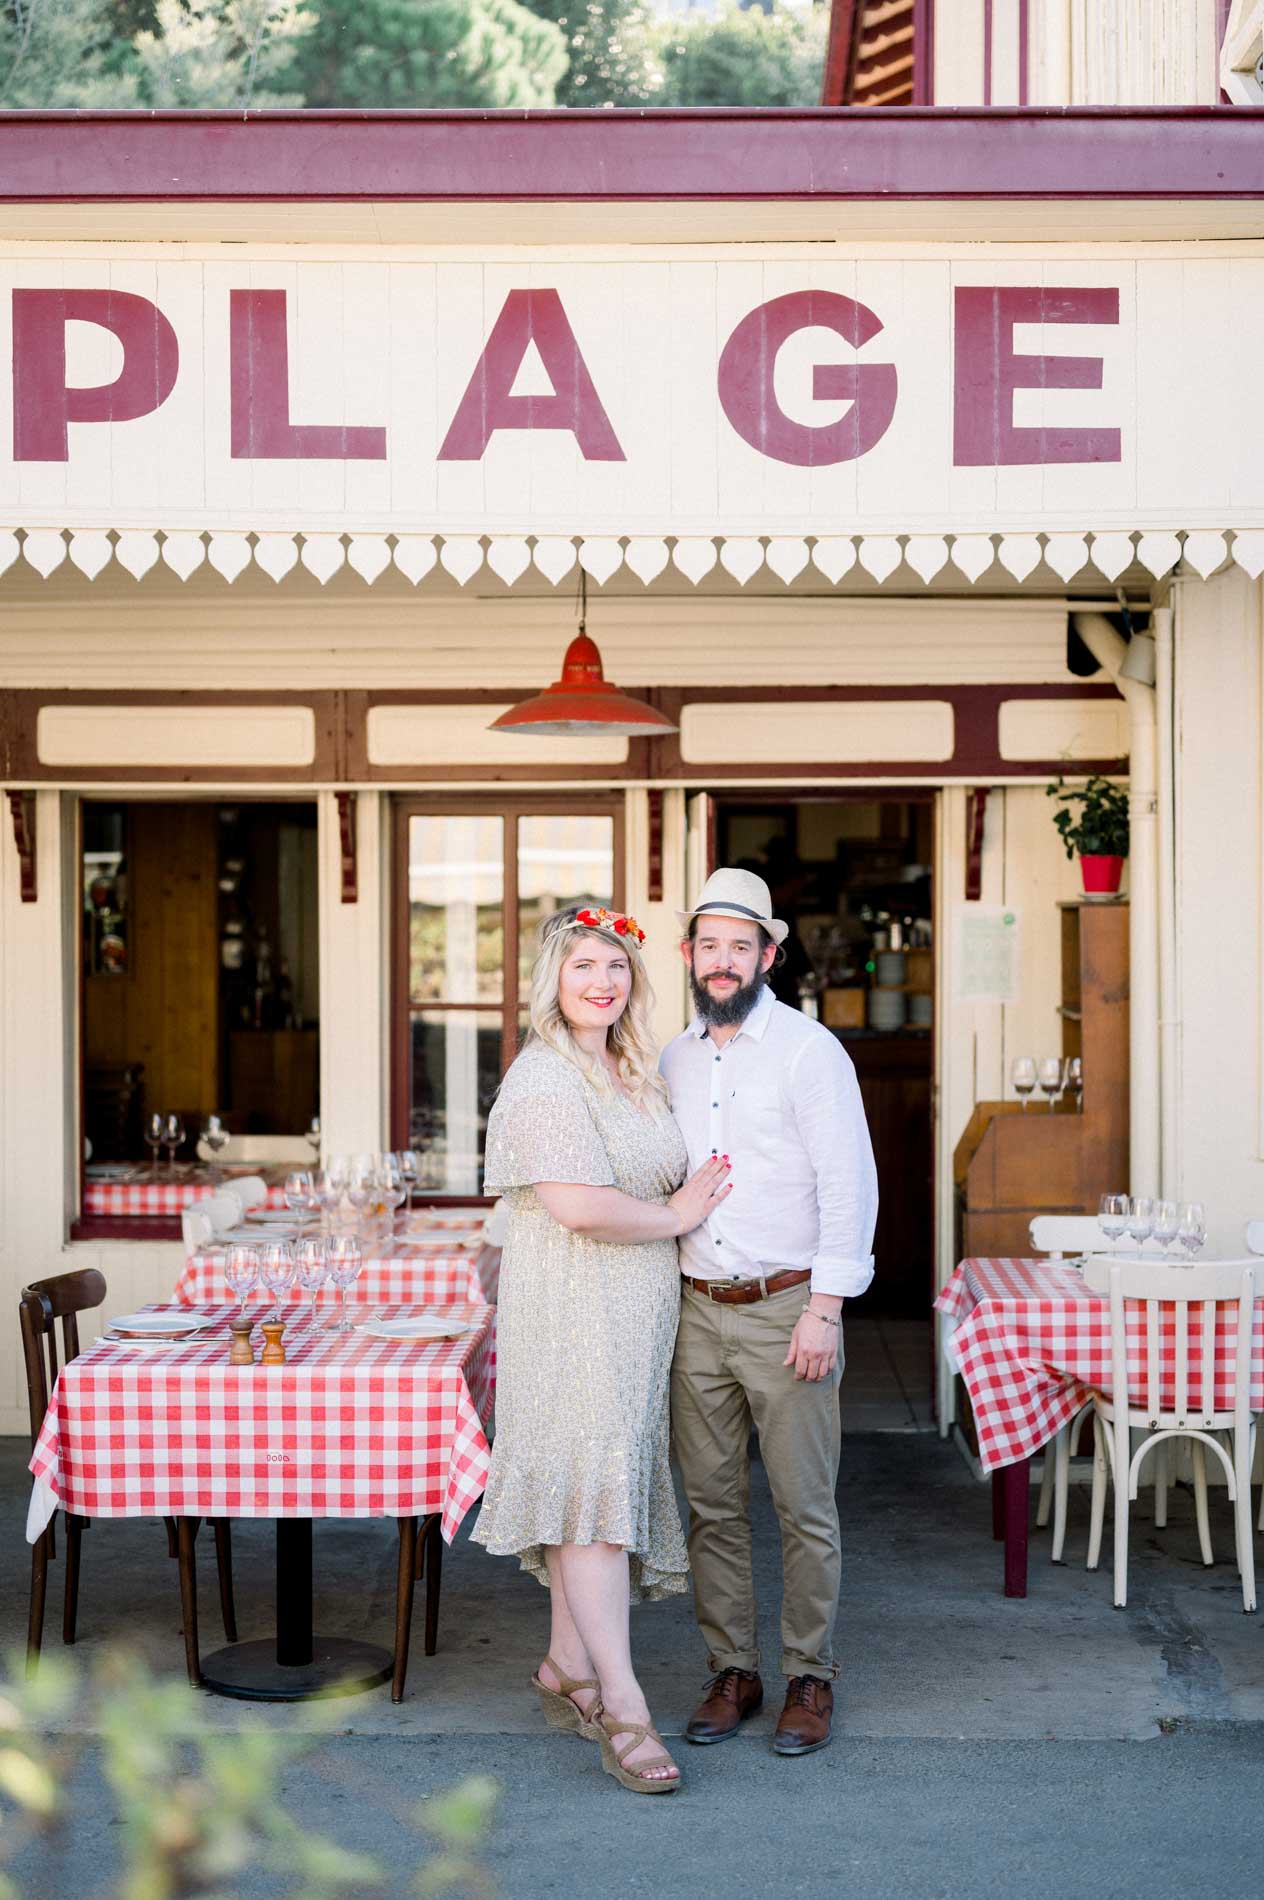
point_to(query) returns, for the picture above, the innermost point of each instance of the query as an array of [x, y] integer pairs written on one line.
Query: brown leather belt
[[743, 1292]]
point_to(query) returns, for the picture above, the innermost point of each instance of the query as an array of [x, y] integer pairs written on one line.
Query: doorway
[[853, 877]]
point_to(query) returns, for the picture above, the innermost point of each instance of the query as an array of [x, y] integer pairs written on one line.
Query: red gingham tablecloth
[[156, 1195], [1032, 1343], [400, 1271], [348, 1427]]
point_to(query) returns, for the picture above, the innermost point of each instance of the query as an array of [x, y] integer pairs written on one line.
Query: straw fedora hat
[[731, 893]]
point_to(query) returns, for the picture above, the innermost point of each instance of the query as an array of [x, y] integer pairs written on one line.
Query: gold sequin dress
[[585, 1332]]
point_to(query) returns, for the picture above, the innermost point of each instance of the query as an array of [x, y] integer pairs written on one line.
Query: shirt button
[[719, 1243]]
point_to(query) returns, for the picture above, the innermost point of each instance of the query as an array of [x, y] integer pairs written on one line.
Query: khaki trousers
[[728, 1372]]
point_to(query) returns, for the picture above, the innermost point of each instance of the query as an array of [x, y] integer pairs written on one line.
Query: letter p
[[43, 405]]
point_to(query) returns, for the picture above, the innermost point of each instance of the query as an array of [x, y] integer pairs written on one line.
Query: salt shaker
[[273, 1351], [241, 1353]]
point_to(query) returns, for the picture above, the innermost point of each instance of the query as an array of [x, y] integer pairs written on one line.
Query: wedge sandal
[[559, 1711], [637, 1778]]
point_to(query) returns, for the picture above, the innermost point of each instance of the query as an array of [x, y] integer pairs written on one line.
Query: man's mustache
[[719, 976]]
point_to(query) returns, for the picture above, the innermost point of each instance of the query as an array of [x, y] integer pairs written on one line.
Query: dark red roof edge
[[905, 152]]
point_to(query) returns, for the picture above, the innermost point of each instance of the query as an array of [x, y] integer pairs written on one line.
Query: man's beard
[[724, 1012]]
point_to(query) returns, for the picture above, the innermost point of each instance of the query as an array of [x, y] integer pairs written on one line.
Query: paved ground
[[982, 1744]]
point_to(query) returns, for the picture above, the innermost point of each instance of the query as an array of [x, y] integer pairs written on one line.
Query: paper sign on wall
[[987, 954]]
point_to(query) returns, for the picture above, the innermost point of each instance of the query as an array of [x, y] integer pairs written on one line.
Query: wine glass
[[391, 1184], [1023, 1077], [1075, 1079], [311, 1269], [1049, 1075], [330, 1187], [172, 1138], [154, 1131], [311, 1135], [1112, 1217], [361, 1185], [1140, 1219], [241, 1270], [410, 1171], [1167, 1224], [300, 1195], [276, 1269], [1191, 1228], [215, 1137], [344, 1261]]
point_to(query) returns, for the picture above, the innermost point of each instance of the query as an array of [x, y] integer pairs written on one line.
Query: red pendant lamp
[[583, 701]]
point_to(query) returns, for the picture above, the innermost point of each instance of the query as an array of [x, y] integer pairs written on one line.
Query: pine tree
[[59, 55], [428, 53], [745, 57], [611, 46], [225, 55]]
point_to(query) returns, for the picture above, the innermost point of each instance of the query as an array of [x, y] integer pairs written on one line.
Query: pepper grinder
[[241, 1353], [273, 1351]]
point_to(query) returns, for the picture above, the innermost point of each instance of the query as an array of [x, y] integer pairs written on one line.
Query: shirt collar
[[755, 1025]]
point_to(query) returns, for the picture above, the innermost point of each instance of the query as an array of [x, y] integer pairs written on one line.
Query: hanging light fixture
[[583, 701]]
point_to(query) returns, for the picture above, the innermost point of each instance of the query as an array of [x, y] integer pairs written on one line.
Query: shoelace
[[727, 1684], [802, 1691]]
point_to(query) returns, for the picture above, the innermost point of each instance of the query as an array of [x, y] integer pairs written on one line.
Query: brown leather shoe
[[732, 1696], [804, 1723]]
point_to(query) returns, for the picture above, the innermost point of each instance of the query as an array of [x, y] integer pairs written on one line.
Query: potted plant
[[1093, 824]]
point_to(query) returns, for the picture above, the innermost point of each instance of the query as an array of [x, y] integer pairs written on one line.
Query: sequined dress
[[585, 1332]]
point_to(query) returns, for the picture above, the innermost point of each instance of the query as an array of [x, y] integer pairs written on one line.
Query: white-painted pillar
[[1161, 622], [354, 981]]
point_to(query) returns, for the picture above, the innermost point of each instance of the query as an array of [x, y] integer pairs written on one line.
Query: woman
[[582, 1145]]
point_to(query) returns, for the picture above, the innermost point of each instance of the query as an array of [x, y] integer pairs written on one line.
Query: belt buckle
[[721, 1286]]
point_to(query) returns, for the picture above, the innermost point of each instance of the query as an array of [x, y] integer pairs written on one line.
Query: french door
[[474, 880]]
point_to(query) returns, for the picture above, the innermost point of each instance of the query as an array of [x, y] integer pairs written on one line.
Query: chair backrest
[[250, 1190], [1057, 1234], [197, 1225], [1177, 1385], [41, 1306], [1255, 1236]]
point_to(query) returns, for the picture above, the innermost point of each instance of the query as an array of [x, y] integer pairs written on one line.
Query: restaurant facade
[[904, 462]]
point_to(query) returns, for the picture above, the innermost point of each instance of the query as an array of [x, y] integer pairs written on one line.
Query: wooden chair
[[42, 1305], [420, 1556], [1058, 1235], [1182, 1300]]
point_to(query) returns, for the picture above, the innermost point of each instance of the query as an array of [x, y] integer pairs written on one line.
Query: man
[[760, 1325]]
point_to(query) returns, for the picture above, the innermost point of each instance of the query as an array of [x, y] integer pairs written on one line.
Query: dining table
[[350, 1426], [1031, 1340], [429, 1267], [116, 1192]]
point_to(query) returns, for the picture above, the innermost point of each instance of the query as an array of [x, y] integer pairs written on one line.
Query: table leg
[[296, 1664], [998, 1505], [1016, 1488]]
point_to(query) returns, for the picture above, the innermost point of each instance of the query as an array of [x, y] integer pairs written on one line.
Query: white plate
[[109, 1170], [156, 1324], [252, 1236], [415, 1326], [439, 1243], [272, 1216], [145, 1345]]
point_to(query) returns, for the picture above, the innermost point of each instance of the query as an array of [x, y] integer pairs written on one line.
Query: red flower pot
[[1101, 875]]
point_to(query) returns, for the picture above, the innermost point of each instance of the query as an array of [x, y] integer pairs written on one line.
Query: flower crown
[[611, 920]]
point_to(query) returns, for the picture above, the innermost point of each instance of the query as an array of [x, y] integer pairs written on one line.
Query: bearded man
[[764, 1280]]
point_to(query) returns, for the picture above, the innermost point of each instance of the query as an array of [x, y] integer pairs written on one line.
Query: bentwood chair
[[43, 1304], [1058, 1235], [1178, 1307], [420, 1556]]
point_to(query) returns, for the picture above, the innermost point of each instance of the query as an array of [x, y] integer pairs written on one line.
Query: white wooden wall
[[1080, 52]]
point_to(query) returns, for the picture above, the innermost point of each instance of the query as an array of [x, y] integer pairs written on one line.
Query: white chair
[[1255, 1236], [196, 1226], [249, 1190], [1182, 1299], [1058, 1235]]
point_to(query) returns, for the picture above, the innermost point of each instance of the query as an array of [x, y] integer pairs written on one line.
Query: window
[[474, 881]]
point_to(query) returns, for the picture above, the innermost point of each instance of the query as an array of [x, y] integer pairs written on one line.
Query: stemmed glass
[[1049, 1076], [215, 1136], [172, 1138], [311, 1269], [311, 1135], [391, 1184], [1140, 1220], [361, 1185], [241, 1270], [1167, 1224], [277, 1267], [1075, 1079], [1023, 1077], [300, 1196], [1191, 1228], [1112, 1217], [331, 1185], [410, 1171], [344, 1261], [155, 1129]]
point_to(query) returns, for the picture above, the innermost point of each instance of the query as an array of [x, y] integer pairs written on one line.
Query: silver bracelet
[[822, 1316]]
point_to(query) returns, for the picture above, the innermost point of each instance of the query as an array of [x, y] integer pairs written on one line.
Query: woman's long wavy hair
[[629, 1038]]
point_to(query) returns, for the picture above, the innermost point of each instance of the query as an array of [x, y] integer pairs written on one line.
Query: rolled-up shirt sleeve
[[830, 1118]]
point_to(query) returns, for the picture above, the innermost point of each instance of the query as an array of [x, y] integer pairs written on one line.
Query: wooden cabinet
[[273, 1079], [1013, 1166]]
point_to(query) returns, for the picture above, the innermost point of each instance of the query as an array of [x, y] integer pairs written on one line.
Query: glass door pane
[[456, 919], [454, 1073], [562, 860]]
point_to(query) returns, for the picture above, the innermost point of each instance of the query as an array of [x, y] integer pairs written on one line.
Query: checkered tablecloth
[[397, 1271], [166, 1194], [348, 1427], [1032, 1343]]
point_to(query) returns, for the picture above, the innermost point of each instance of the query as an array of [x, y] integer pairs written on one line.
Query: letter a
[[531, 316]]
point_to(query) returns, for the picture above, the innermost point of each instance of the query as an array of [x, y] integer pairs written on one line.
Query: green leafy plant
[[1093, 819]]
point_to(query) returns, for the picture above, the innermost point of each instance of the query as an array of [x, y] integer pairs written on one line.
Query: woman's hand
[[701, 1193]]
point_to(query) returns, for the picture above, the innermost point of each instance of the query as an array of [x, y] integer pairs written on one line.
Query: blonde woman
[[582, 1144]]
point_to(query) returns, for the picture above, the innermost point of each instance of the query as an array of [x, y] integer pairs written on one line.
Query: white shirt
[[781, 1100]]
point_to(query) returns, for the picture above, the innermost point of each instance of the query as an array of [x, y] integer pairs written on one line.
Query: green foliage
[[199, 1805], [745, 57], [1101, 827], [612, 46], [219, 55], [428, 53], [57, 55]]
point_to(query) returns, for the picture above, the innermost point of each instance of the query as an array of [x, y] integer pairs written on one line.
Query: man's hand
[[814, 1342]]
